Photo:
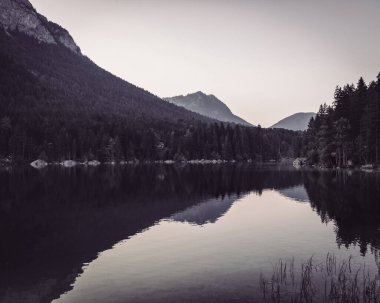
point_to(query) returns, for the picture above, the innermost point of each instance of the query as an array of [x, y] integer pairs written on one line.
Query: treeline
[[90, 138], [348, 132], [36, 122]]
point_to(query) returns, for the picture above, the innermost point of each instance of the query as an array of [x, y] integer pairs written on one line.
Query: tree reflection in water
[[55, 220]]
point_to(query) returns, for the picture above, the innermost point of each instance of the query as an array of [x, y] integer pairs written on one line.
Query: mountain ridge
[[297, 122], [20, 15], [207, 105]]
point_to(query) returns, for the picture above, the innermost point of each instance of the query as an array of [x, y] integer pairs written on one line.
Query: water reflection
[[352, 201], [296, 193], [205, 212], [54, 221]]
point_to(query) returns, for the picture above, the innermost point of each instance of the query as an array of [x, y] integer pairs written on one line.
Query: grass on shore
[[327, 281]]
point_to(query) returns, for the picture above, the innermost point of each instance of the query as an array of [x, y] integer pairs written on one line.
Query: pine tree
[[342, 127], [348, 131]]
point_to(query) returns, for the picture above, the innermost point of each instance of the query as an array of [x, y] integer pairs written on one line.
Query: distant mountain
[[298, 121], [207, 105]]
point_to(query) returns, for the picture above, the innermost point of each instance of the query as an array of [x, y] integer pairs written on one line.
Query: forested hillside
[[348, 132], [41, 121], [56, 104]]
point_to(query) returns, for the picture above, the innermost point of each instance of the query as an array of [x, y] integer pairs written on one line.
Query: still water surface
[[175, 234]]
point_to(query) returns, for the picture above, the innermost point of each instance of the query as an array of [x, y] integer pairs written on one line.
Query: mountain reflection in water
[[55, 221], [296, 193], [205, 212]]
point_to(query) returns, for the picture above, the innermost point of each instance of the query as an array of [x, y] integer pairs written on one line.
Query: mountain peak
[[20, 16], [25, 2], [206, 105], [199, 94], [297, 121]]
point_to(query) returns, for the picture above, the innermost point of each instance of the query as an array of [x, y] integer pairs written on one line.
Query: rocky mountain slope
[[298, 121], [207, 105], [19, 15]]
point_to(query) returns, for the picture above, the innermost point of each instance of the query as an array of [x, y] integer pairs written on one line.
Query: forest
[[56, 105], [41, 121], [347, 133]]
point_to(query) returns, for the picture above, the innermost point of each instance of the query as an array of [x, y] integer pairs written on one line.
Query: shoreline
[[39, 164]]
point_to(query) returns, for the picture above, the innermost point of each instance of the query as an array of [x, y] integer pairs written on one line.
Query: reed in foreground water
[[326, 281]]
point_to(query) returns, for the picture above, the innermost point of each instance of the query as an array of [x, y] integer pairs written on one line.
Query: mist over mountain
[[207, 105], [298, 121]]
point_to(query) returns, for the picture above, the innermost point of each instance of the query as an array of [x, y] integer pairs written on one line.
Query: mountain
[[298, 121], [52, 96], [56, 104], [207, 105], [19, 15], [48, 56]]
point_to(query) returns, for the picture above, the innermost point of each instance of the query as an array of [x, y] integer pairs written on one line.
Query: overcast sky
[[265, 59]]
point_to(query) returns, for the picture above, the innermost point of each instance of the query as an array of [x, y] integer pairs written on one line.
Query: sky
[[266, 59]]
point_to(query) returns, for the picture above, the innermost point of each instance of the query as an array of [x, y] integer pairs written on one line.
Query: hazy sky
[[265, 59]]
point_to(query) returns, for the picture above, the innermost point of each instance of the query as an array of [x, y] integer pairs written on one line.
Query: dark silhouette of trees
[[351, 201], [63, 120], [348, 132]]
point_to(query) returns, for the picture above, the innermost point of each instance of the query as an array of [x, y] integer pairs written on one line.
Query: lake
[[168, 233]]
